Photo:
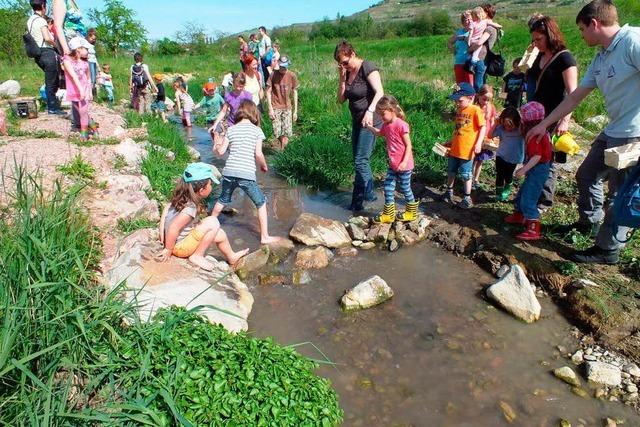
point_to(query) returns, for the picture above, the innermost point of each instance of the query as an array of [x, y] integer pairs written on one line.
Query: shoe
[[515, 218], [56, 112], [410, 214], [506, 192], [388, 214], [499, 193], [596, 255], [590, 229], [465, 203], [447, 197], [84, 135], [531, 232]]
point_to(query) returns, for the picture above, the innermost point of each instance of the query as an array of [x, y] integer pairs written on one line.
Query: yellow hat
[[158, 77], [565, 143]]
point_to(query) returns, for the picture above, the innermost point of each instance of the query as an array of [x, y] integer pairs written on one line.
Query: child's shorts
[[461, 167], [282, 123], [250, 187], [158, 106], [187, 246], [484, 156], [186, 118]]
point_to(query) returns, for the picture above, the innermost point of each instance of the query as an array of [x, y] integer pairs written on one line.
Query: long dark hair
[[549, 28], [186, 192]]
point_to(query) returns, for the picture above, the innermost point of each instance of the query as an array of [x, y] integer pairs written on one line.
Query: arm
[[451, 42], [269, 104], [46, 35], [342, 84], [221, 114], [478, 146], [178, 223], [570, 77], [569, 104], [475, 46], [221, 146], [407, 152], [59, 13], [374, 130], [130, 81], [154, 88], [295, 105], [68, 67], [494, 24], [260, 158], [374, 80], [528, 166]]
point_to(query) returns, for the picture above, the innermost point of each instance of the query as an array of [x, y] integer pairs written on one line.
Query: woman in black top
[[360, 84], [556, 76]]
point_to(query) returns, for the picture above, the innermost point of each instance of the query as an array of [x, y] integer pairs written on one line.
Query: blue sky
[[162, 18]]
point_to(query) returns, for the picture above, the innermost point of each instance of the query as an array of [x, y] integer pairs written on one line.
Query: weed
[[38, 134], [77, 168], [131, 225], [75, 139], [119, 162]]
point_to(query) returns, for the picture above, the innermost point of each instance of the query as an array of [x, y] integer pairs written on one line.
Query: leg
[[207, 229], [51, 79], [357, 198], [589, 178], [287, 128], [390, 186], [83, 113], [477, 168], [481, 70], [257, 197], [611, 236], [501, 178], [549, 188], [531, 189], [363, 150], [228, 187]]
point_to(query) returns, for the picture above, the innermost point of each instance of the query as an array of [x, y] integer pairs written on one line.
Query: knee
[[210, 223]]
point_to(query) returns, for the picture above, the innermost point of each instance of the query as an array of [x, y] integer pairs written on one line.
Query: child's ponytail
[[389, 102], [186, 192]]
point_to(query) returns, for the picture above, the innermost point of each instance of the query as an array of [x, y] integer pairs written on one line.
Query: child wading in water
[[244, 142], [484, 99], [396, 131], [510, 151], [536, 170], [184, 104], [182, 234], [78, 78], [227, 114], [158, 106]]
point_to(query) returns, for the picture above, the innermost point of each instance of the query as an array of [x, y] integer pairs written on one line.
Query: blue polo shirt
[[616, 72]]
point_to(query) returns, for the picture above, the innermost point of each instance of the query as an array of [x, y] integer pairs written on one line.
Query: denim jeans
[[479, 78], [460, 167], [362, 142], [49, 63], [527, 199], [403, 178], [249, 186]]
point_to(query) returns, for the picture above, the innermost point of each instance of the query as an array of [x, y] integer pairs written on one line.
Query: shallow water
[[437, 354]]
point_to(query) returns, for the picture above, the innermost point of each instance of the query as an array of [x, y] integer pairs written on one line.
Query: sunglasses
[[344, 63]]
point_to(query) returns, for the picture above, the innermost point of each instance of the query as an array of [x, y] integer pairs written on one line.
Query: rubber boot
[[532, 230], [410, 214], [515, 218], [506, 192], [499, 193], [388, 214]]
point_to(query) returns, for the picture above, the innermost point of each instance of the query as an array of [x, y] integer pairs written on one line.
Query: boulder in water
[[314, 230], [567, 375], [313, 258], [369, 293], [514, 293], [602, 373], [252, 262]]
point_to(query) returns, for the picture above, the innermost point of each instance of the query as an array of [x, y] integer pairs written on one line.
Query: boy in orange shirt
[[465, 143]]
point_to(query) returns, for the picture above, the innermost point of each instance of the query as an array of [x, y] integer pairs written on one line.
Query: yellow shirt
[[468, 124]]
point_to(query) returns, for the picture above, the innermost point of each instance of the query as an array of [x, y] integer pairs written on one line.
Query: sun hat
[[209, 87], [77, 42], [199, 171], [284, 61], [462, 89], [532, 112], [158, 77]]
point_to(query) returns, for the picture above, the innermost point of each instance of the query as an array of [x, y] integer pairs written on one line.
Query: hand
[[272, 115], [477, 149], [368, 119], [264, 168], [537, 132], [295, 117], [164, 255], [402, 166], [520, 173], [562, 128], [342, 71]]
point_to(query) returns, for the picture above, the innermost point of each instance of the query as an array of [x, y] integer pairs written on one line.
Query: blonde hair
[[248, 110], [390, 103], [478, 12]]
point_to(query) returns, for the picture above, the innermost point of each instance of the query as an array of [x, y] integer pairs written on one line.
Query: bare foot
[[201, 262], [270, 239], [233, 260]]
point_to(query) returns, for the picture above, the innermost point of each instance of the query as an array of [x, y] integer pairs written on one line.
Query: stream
[[436, 354]]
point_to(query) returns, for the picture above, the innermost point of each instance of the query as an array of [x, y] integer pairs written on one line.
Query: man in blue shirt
[[615, 71]]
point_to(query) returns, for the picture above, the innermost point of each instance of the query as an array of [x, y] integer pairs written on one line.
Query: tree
[[11, 48], [194, 36], [117, 26]]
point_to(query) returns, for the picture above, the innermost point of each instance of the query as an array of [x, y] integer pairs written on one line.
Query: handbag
[[495, 63], [30, 46]]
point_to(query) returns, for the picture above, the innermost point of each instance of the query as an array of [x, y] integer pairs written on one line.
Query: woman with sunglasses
[[556, 75], [361, 85]]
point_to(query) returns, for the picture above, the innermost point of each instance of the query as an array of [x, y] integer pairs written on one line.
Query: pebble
[[631, 397], [577, 357], [588, 351], [632, 369], [625, 375], [632, 388], [367, 245], [502, 271], [590, 357], [600, 393]]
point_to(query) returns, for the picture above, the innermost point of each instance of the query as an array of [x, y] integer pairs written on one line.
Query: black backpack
[[30, 46], [139, 77], [495, 63]]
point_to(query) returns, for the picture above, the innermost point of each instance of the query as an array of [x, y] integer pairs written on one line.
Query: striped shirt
[[186, 102], [243, 138]]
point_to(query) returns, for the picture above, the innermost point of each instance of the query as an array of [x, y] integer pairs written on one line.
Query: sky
[[163, 18]]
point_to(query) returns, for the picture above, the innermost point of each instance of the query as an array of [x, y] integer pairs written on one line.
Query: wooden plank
[[491, 144], [622, 157], [440, 149]]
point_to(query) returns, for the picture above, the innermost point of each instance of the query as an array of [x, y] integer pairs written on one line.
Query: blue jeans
[[479, 78], [527, 199], [403, 178], [49, 63], [93, 69], [461, 167], [362, 142], [249, 186]]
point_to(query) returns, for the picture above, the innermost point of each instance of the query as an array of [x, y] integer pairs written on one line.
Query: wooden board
[[491, 144], [622, 157], [440, 149]]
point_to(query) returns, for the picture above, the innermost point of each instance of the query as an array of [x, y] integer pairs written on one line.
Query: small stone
[[588, 351], [356, 243], [367, 245], [504, 269], [584, 283], [625, 375], [590, 358], [356, 232], [600, 393], [359, 221], [567, 375], [632, 397], [564, 423], [603, 374], [632, 388], [368, 293], [613, 399], [513, 292], [632, 369], [577, 357], [608, 422], [508, 412], [300, 277], [562, 349], [313, 258], [346, 252], [579, 391], [394, 245], [269, 279]]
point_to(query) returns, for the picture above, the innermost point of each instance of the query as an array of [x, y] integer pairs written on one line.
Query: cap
[[462, 89], [199, 171], [284, 61], [158, 77], [532, 112], [77, 42], [209, 87]]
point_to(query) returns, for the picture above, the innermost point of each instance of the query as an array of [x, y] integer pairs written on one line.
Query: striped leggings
[[404, 182]]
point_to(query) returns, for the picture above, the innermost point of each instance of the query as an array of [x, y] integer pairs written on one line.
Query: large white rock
[[10, 88], [132, 152], [153, 285], [372, 291], [602, 373], [514, 293], [314, 230]]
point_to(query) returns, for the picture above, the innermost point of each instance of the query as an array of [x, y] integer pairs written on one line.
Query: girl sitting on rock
[[182, 233]]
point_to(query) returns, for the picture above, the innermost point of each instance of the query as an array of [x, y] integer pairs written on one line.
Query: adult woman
[[486, 42], [458, 45], [253, 83], [67, 20], [556, 76], [244, 49], [361, 85]]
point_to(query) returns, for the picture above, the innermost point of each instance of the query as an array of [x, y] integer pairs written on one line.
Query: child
[[184, 103], [244, 142], [484, 99], [536, 170], [92, 36], [282, 101], [275, 57], [139, 82], [78, 78], [232, 101], [227, 83], [510, 151], [181, 232], [105, 80], [479, 24], [211, 102], [467, 140], [158, 106], [396, 131], [514, 85]]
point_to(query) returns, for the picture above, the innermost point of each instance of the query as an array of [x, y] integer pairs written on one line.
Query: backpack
[[626, 205], [268, 57], [30, 46], [495, 63], [139, 77]]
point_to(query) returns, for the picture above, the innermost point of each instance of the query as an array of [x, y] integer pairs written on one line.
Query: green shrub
[[78, 168]]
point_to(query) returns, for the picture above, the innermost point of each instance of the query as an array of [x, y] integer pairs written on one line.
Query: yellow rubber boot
[[388, 214], [411, 214]]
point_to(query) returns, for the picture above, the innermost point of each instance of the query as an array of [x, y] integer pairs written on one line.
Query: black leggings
[[504, 172]]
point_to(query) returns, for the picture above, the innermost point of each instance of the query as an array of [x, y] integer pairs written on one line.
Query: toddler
[[78, 78], [211, 102], [510, 151], [105, 80], [513, 87], [479, 23], [158, 106]]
